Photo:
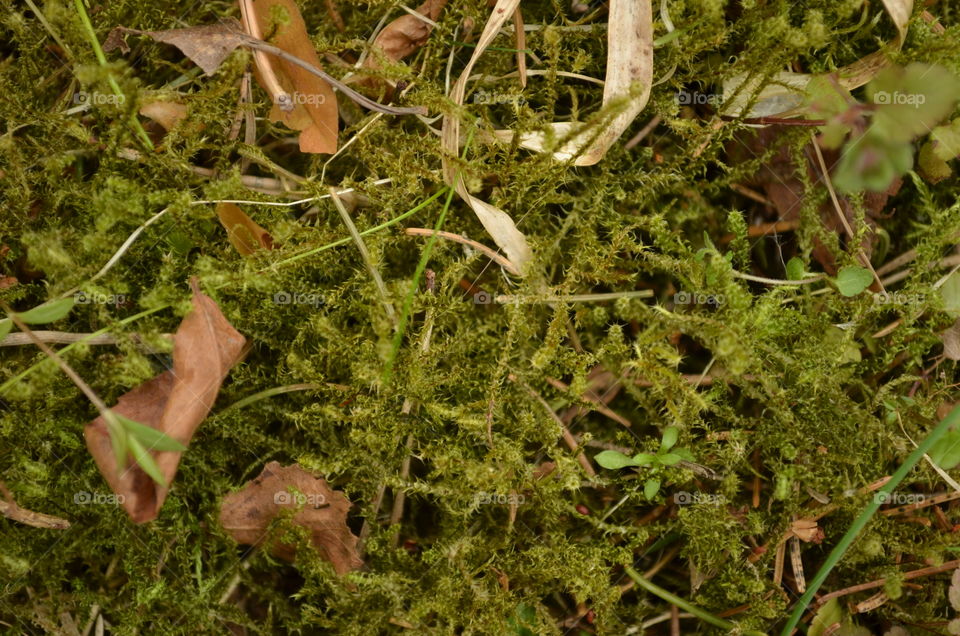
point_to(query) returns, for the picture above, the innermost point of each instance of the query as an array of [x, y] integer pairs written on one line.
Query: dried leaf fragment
[[243, 232], [207, 46], [174, 402], [405, 35], [246, 515]]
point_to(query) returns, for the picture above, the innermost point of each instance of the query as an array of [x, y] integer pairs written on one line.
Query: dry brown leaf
[[494, 220], [951, 342], [207, 46], [242, 231], [167, 114], [314, 111], [175, 402], [246, 515], [404, 35]]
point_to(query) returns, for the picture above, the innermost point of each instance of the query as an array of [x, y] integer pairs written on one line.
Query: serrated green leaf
[[47, 312], [146, 461], [795, 268], [644, 459], [669, 459], [150, 437], [670, 436], [651, 487], [5, 326], [613, 459], [853, 279]]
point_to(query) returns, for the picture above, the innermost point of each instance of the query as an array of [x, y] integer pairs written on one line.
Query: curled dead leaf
[[404, 35], [175, 402], [243, 232], [246, 515]]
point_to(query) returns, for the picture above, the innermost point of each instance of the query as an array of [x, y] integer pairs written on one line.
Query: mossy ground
[[794, 408]]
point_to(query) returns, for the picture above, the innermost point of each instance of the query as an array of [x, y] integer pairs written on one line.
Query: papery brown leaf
[[242, 231], [207, 46], [167, 114], [175, 402], [246, 515], [405, 35], [314, 111]]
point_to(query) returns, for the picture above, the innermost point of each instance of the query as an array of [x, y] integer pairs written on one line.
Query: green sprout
[[655, 464]]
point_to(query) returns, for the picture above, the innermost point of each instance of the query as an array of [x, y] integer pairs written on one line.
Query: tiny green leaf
[[643, 459], [795, 268], [614, 459], [151, 437], [669, 459], [670, 436], [47, 312], [853, 279], [5, 326], [145, 460], [650, 488], [684, 454]]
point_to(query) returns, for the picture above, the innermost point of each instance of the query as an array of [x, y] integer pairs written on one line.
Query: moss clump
[[795, 402]]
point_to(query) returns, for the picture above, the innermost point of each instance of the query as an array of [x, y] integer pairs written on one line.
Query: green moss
[[790, 403]]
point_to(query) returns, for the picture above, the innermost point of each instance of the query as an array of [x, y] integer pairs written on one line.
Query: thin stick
[[272, 84], [839, 210], [365, 255], [913, 574], [568, 438], [480, 247], [11, 510]]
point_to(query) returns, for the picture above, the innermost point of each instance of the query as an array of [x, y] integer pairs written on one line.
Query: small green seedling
[[128, 436], [655, 463]]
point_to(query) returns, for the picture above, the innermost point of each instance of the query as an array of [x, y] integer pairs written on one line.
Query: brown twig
[[906, 576]]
